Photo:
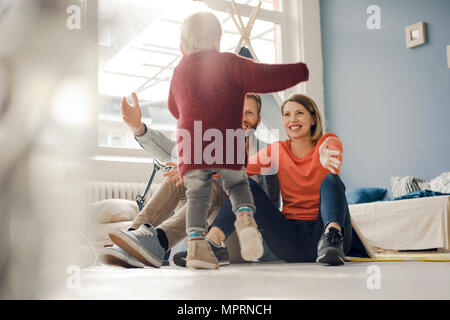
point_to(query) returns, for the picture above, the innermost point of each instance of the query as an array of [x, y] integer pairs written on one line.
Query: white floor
[[356, 280]]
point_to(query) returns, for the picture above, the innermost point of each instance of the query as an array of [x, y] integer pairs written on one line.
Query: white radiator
[[101, 190]]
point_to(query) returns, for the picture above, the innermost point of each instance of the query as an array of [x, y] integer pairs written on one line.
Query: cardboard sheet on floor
[[405, 256]]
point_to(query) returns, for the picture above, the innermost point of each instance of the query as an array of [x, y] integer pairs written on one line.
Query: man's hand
[[330, 158], [174, 174], [132, 115]]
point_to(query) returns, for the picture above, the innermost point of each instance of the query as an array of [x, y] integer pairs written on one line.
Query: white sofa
[[411, 224]]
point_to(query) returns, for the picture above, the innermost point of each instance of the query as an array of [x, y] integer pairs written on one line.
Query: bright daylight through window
[[139, 48]]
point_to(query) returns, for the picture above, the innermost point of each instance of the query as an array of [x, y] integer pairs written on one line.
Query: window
[[139, 48], [273, 5]]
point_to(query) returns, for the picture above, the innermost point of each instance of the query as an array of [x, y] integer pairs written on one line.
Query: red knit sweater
[[210, 87]]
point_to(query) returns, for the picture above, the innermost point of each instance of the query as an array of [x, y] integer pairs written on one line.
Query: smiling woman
[[301, 117]]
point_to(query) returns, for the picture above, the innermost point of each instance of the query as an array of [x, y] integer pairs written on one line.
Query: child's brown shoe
[[249, 237], [200, 255]]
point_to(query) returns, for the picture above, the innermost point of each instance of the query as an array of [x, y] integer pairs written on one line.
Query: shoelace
[[143, 232], [334, 236]]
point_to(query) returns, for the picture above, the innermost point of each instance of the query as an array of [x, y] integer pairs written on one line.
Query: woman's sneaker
[[200, 255], [116, 256], [220, 251], [249, 237], [330, 249], [143, 244]]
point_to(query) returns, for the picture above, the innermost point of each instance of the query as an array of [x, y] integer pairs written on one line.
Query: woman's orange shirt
[[299, 178]]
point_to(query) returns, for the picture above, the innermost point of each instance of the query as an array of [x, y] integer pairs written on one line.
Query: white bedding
[[412, 224]]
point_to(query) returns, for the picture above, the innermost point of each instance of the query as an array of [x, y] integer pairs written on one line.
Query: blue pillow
[[363, 195]]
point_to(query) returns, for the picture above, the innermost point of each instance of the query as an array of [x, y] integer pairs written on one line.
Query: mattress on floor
[[412, 224]]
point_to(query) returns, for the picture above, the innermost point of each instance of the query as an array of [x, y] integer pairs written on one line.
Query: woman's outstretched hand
[[330, 156], [174, 174], [132, 115]]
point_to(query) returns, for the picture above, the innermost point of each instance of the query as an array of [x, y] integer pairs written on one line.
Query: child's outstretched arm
[[267, 78]]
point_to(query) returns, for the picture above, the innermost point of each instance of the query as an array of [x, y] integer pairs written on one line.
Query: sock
[[197, 235], [341, 232], [163, 239], [244, 210]]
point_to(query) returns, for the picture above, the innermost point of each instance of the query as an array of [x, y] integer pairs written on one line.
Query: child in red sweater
[[206, 96]]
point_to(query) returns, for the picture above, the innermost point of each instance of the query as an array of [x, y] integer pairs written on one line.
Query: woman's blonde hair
[[200, 31], [310, 105]]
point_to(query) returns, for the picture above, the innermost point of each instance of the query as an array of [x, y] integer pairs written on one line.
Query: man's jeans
[[295, 240], [198, 189]]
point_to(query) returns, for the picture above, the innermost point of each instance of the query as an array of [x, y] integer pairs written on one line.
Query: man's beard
[[248, 125]]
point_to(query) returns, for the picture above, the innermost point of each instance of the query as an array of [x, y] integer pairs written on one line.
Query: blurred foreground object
[[47, 98]]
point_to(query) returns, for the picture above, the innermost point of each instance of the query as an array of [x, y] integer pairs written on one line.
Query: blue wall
[[390, 105]]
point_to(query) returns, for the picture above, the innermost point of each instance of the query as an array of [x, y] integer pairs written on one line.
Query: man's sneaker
[[116, 256], [143, 244], [330, 249], [249, 237], [220, 252], [200, 255]]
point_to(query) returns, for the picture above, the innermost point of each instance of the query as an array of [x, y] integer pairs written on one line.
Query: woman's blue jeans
[[295, 240]]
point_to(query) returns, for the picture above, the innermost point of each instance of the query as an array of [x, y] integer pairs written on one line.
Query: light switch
[[415, 35]]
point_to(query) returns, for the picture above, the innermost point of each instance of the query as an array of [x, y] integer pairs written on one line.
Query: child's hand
[[132, 115], [174, 174], [330, 156]]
